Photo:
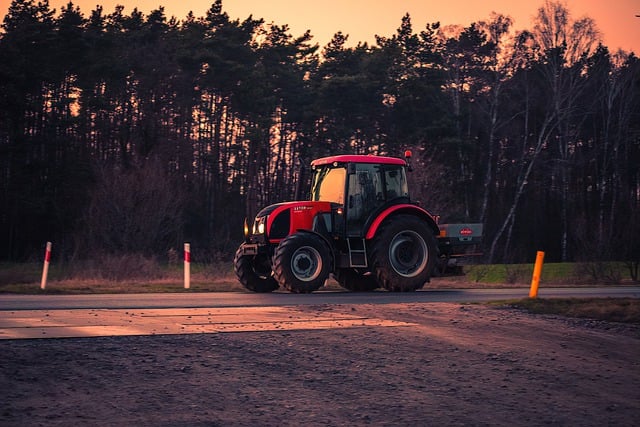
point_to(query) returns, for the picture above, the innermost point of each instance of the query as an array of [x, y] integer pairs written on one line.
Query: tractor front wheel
[[254, 272], [403, 254], [302, 262]]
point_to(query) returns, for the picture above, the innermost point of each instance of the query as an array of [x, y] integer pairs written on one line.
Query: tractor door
[[365, 194], [369, 187]]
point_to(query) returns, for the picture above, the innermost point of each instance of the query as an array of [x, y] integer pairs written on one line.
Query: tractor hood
[[298, 206], [281, 219]]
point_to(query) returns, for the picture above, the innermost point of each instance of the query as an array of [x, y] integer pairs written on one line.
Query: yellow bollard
[[537, 271]]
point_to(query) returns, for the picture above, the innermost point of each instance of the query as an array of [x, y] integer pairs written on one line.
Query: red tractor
[[359, 225]]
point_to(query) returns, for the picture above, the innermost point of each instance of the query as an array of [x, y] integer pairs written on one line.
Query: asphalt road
[[64, 316], [238, 299]]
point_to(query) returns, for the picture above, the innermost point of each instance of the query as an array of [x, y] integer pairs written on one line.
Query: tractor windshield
[[328, 184]]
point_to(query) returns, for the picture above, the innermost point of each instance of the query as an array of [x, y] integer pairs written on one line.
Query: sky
[[616, 19]]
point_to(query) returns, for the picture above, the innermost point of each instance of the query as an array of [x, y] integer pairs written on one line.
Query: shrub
[[116, 268]]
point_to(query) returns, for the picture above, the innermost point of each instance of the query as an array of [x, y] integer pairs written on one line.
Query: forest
[[133, 133]]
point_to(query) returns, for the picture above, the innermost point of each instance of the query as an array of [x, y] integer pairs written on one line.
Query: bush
[[517, 273], [11, 273], [137, 210], [116, 268], [599, 272]]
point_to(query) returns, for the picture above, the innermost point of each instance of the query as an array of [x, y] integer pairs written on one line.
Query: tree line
[[133, 133]]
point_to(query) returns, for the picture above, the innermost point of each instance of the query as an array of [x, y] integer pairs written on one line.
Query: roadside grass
[[121, 287], [115, 277], [552, 273], [138, 274], [624, 310], [520, 273]]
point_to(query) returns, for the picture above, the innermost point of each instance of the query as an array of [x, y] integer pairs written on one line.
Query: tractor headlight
[[259, 226]]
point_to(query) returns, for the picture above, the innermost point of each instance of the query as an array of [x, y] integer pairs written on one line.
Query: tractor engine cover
[[275, 222]]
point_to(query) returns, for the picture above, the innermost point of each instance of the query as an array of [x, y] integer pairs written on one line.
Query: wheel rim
[[306, 263], [408, 253]]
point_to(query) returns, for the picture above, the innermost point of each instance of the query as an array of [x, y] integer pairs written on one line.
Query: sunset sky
[[616, 19]]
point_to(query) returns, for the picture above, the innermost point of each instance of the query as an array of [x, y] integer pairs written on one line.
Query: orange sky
[[616, 19]]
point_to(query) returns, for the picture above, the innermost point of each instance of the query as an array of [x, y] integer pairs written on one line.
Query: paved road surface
[[60, 316], [239, 299]]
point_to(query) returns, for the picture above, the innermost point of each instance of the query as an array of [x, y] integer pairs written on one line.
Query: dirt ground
[[448, 365]]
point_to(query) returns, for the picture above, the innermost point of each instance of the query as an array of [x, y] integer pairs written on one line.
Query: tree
[[25, 75], [501, 66], [228, 111], [468, 56], [565, 46], [419, 112]]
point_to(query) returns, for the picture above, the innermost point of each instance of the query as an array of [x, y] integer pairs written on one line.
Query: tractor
[[359, 225]]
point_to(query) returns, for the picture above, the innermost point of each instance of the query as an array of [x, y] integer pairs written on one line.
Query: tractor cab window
[[328, 184], [395, 182]]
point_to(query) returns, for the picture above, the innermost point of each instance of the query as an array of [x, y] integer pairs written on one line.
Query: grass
[[625, 310], [115, 276], [134, 274], [552, 273], [518, 273], [122, 287]]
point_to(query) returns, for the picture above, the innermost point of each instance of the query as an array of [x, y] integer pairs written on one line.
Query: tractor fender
[[405, 208]]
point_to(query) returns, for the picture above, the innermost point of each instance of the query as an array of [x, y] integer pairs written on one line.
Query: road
[[237, 299], [57, 316], [338, 358]]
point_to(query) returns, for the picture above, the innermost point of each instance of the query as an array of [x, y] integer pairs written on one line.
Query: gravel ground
[[451, 365]]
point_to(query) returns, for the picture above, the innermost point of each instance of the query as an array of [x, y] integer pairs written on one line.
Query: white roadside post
[[45, 267], [187, 265]]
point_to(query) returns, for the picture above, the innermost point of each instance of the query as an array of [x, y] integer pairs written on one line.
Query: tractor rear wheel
[[403, 253], [353, 281], [302, 262], [254, 272]]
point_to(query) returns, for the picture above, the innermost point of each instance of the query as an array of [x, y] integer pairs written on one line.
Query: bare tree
[[530, 155], [501, 67], [564, 46]]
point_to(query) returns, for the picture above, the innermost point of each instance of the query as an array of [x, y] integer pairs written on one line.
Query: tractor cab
[[361, 186]]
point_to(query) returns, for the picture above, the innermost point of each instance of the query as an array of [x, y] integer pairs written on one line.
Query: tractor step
[[357, 253]]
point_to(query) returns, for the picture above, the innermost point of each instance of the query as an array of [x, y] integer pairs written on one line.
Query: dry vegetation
[[118, 274], [625, 310]]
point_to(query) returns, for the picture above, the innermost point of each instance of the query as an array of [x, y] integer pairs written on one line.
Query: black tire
[[254, 272], [353, 281], [403, 253], [302, 262]]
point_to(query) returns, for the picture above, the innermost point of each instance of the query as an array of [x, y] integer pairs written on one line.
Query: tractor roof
[[359, 159]]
